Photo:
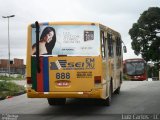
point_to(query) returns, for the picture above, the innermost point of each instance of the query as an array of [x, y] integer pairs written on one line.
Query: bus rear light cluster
[[97, 79], [29, 80]]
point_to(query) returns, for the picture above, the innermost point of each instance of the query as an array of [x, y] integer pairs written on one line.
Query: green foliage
[[19, 77], [125, 77], [145, 40], [6, 78], [152, 71], [9, 89]]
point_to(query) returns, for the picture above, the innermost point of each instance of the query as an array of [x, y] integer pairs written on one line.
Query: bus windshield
[[70, 40], [135, 68]]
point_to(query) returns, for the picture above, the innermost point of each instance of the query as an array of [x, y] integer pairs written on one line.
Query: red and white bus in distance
[[135, 69]]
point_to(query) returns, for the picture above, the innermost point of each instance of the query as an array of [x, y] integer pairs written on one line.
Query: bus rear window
[[71, 40]]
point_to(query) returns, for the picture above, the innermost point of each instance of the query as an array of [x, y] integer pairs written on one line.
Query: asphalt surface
[[137, 100]]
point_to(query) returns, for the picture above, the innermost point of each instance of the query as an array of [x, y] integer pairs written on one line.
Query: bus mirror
[[124, 49]]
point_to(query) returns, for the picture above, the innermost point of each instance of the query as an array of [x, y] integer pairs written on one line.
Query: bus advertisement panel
[[72, 40]]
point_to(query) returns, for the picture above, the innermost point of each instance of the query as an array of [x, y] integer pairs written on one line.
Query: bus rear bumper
[[97, 93]]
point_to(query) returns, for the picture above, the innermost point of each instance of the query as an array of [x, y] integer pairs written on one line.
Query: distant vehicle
[[86, 62], [135, 69]]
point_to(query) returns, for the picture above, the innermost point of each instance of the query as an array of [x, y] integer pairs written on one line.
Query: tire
[[117, 91], [121, 78], [56, 101]]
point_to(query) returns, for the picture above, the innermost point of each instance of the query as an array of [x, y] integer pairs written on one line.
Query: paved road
[[135, 98]]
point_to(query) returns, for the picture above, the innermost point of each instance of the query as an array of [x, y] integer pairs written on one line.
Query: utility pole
[[8, 42]]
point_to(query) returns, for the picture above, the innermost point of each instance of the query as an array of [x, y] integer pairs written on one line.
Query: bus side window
[[110, 45], [118, 46], [103, 43]]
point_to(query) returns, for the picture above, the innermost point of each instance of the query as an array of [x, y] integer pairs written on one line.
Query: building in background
[[16, 66]]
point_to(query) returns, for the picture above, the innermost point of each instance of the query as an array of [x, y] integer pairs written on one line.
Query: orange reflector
[[29, 80], [97, 79]]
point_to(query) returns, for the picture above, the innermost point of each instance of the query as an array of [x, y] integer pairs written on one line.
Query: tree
[[145, 35]]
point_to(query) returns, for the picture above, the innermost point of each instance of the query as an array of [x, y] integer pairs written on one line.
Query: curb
[[16, 94]]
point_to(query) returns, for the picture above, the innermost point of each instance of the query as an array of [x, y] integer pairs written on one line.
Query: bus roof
[[80, 23], [134, 59]]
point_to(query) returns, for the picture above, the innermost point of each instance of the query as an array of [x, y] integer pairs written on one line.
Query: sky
[[116, 14]]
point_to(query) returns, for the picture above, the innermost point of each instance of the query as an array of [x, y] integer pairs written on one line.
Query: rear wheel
[[117, 91], [56, 101]]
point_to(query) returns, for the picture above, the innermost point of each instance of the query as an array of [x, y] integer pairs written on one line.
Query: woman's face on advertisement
[[49, 36]]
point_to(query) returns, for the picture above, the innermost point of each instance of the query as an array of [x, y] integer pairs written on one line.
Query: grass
[[19, 77], [10, 89], [125, 78]]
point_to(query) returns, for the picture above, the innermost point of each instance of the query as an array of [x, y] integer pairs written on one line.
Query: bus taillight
[[97, 79], [29, 80]]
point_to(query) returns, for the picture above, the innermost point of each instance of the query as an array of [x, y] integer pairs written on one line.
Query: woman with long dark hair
[[47, 42]]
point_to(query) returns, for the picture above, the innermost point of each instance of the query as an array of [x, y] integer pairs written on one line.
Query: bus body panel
[[78, 73], [69, 76]]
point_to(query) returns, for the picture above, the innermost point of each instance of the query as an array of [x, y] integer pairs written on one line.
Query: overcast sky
[[117, 14]]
